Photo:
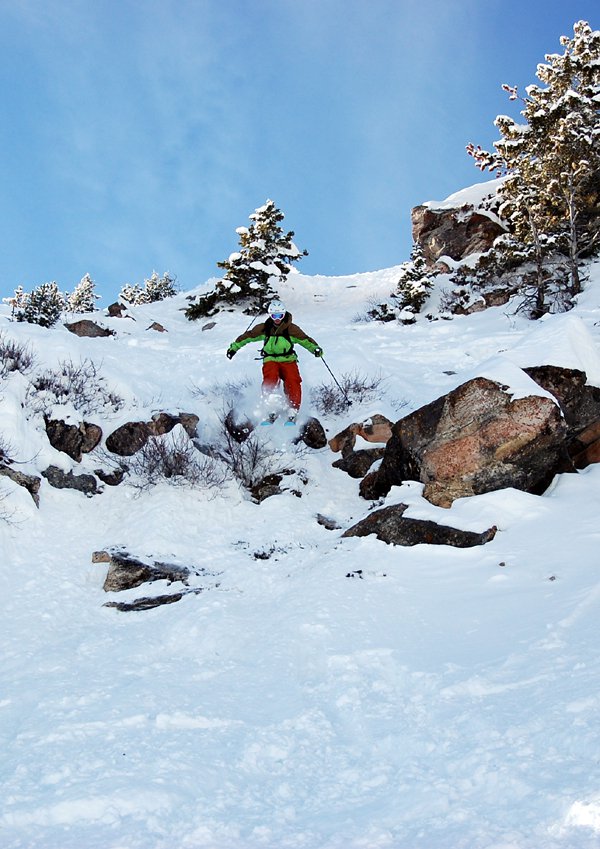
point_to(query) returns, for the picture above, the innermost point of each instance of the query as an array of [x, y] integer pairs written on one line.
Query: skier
[[280, 362]]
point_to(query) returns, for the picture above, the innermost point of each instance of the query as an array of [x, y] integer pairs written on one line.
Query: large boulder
[[473, 440], [390, 525], [453, 232]]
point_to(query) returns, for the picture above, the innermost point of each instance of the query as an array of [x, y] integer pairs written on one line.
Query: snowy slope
[[438, 699]]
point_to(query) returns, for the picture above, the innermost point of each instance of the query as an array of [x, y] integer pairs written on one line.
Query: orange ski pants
[[289, 374]]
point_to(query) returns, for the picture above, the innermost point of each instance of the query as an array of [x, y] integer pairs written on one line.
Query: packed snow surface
[[320, 692]]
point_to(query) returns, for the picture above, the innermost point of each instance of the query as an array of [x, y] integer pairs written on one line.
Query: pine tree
[[159, 288], [255, 271], [155, 288], [552, 162], [43, 306], [133, 294], [414, 285], [83, 298], [412, 290]]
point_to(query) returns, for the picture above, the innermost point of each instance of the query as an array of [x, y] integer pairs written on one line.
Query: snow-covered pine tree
[[159, 288], [155, 288], [414, 285], [43, 306], [83, 297], [412, 290], [552, 162], [254, 272], [133, 294]]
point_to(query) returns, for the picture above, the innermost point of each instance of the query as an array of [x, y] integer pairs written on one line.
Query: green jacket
[[279, 340]]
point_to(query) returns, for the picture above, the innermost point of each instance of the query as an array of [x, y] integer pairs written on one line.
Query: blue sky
[[137, 136]]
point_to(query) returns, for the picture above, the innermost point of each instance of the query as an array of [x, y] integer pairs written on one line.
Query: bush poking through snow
[[14, 356], [173, 458], [78, 384], [249, 461], [329, 399]]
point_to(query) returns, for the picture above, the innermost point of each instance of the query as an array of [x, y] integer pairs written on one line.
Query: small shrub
[[80, 384], [251, 460], [14, 356], [173, 458], [333, 400]]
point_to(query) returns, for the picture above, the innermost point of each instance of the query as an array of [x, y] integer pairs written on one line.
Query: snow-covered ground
[[438, 698]]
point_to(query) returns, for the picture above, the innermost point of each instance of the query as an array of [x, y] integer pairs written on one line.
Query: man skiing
[[280, 362]]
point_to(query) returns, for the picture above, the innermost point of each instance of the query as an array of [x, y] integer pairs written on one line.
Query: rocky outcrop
[[73, 440], [454, 232], [473, 440], [390, 525], [130, 437]]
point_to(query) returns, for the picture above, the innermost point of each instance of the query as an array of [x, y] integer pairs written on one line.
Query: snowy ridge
[[328, 693]]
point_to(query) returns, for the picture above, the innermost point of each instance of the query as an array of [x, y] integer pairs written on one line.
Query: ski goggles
[[277, 316]]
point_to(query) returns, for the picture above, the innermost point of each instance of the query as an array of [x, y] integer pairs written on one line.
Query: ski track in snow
[[437, 699]]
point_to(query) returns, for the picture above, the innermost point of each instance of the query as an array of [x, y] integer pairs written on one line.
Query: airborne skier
[[280, 362]]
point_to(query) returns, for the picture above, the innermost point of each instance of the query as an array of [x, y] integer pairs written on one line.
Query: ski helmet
[[276, 309]]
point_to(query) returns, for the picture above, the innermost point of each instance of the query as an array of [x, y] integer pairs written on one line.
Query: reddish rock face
[[476, 439], [456, 233]]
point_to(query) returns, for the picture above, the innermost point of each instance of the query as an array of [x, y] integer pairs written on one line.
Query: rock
[[67, 480], [144, 603], [312, 434], [132, 436], [579, 402], [73, 440], [456, 232], [267, 487], [376, 429], [29, 482], [126, 572], [358, 463], [128, 438], [158, 327], [475, 439], [118, 310], [113, 478], [85, 327], [327, 523], [165, 422], [209, 326], [239, 430], [390, 526]]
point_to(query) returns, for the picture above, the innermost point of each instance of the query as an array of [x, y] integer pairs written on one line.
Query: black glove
[[318, 352], [230, 353]]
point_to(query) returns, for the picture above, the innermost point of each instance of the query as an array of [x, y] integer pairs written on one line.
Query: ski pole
[[348, 401]]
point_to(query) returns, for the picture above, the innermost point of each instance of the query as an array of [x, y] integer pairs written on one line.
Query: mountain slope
[[321, 692]]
